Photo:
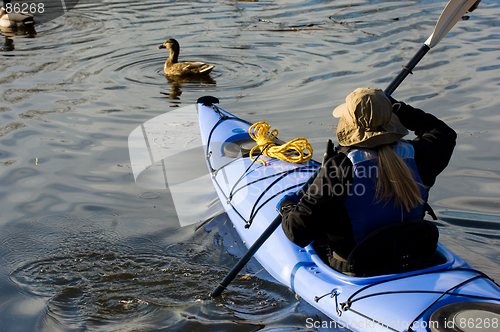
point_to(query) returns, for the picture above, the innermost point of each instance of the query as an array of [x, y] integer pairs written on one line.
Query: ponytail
[[396, 181]]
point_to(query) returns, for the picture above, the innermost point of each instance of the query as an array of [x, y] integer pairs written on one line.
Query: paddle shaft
[[449, 17], [407, 69], [249, 254], [258, 243]]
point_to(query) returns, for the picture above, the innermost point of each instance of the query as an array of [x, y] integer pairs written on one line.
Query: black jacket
[[321, 214]]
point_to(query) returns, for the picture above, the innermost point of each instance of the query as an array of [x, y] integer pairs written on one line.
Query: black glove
[[288, 202]]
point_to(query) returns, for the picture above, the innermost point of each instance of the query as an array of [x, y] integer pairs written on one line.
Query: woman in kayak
[[374, 179]]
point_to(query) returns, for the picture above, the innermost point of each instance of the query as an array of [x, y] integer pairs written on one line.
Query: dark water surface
[[82, 247]]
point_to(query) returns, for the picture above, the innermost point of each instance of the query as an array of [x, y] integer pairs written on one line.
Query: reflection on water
[[176, 84], [83, 247]]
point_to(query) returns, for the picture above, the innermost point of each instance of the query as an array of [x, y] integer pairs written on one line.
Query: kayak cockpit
[[395, 248], [444, 260]]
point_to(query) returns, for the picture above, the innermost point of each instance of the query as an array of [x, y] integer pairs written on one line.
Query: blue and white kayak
[[451, 296]]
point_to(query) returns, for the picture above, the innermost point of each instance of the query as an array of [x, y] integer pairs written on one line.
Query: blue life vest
[[366, 215]]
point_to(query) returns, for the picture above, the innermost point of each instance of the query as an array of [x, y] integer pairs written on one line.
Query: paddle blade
[[453, 12]]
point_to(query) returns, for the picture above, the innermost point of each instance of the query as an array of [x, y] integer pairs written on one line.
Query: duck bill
[[161, 46]]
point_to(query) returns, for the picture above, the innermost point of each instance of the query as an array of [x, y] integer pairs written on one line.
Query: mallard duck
[[186, 68], [15, 20]]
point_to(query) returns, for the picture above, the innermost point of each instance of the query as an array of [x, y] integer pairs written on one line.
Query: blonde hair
[[396, 181]]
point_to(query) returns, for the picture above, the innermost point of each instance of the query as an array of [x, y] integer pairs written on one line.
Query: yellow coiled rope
[[296, 151]]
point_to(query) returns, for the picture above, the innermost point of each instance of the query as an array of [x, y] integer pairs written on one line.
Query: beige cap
[[367, 120]]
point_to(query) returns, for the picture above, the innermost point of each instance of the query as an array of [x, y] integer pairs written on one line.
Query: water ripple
[[92, 279]]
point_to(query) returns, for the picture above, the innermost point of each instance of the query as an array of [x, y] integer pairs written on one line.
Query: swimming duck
[[15, 20], [186, 68]]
